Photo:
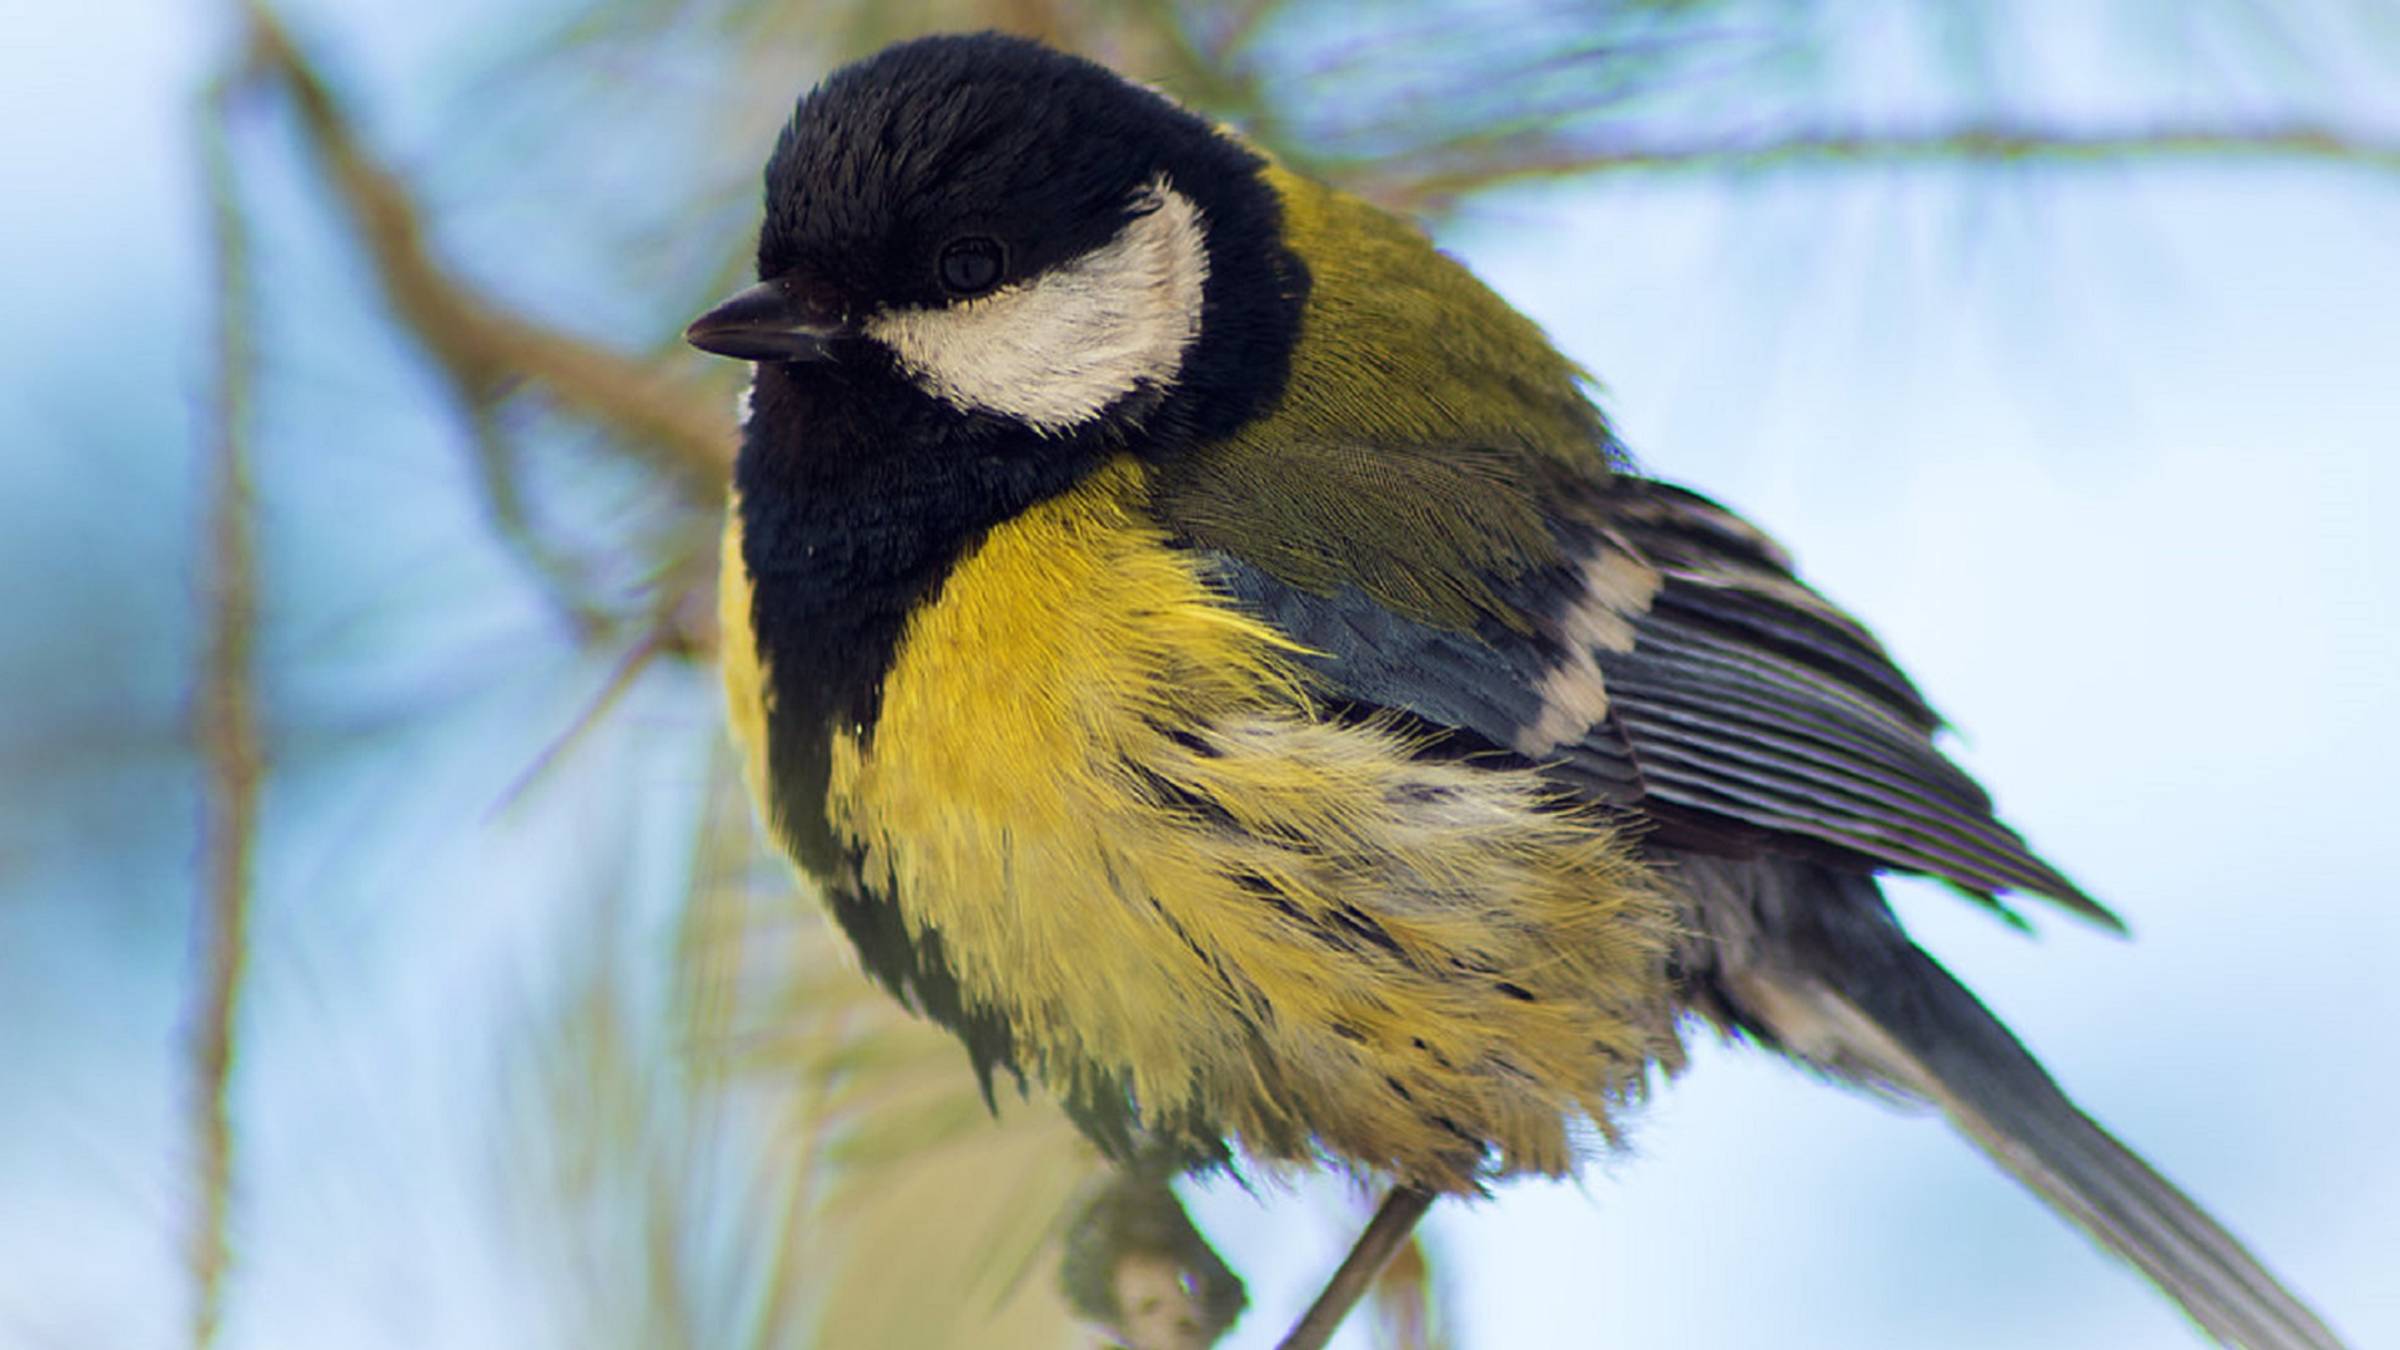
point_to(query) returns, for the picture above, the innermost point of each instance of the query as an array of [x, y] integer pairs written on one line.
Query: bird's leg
[[1390, 1227]]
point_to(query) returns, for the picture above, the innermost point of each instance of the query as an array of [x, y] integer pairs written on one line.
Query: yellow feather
[[738, 659], [1112, 796]]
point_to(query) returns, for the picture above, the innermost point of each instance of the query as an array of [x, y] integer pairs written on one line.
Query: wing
[[1665, 660]]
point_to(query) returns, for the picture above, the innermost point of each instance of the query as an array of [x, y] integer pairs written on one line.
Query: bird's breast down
[[1112, 802]]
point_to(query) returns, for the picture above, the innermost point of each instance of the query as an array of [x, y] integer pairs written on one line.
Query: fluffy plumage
[[1273, 716], [1114, 796]]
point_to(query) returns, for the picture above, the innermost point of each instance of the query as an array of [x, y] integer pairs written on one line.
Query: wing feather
[[1740, 707]]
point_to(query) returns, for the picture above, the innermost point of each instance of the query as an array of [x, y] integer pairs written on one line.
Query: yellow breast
[[1114, 798]]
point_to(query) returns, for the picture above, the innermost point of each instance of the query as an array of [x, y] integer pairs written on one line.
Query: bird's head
[[984, 234]]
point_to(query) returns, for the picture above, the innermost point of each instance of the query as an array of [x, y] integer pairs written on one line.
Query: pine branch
[[678, 425], [224, 725], [1440, 175]]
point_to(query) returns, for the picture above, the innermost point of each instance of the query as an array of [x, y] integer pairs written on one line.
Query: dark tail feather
[[1868, 1001]]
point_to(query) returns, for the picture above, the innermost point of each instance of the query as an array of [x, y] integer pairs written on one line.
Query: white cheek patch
[[741, 401], [1055, 350]]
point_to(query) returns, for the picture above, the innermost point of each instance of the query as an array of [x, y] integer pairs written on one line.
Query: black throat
[[858, 495]]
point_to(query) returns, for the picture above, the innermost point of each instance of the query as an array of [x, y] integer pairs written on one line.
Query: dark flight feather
[[1747, 715]]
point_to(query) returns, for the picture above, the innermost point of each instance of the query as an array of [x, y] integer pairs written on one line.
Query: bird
[[1214, 656]]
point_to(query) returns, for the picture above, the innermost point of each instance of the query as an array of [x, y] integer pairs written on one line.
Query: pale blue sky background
[[2106, 457]]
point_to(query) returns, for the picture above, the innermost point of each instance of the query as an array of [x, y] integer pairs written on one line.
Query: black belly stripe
[[858, 495]]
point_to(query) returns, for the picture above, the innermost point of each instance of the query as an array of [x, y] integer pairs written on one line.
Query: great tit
[[1213, 657]]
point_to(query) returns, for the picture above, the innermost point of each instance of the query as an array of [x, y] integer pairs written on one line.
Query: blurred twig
[[497, 472], [682, 624], [1442, 174], [224, 720], [676, 424]]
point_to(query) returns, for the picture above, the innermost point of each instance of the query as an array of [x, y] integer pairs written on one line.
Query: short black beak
[[779, 320]]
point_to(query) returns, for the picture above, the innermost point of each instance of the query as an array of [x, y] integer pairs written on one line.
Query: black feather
[[1749, 714]]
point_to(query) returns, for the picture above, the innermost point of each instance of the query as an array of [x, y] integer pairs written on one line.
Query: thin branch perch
[[225, 728], [1386, 1233]]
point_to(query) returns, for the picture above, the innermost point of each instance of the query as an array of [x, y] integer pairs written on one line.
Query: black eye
[[971, 266]]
